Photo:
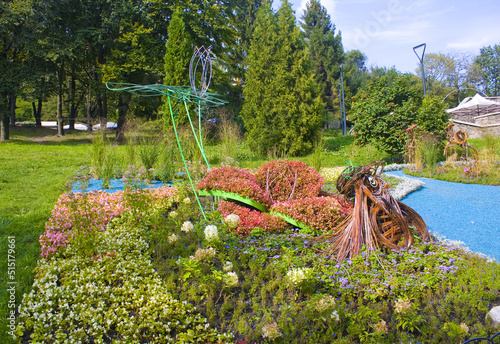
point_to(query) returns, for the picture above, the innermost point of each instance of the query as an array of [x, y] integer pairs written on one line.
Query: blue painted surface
[[464, 212], [115, 185]]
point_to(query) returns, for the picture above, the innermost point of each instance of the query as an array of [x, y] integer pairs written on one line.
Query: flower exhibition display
[[291, 191], [144, 266]]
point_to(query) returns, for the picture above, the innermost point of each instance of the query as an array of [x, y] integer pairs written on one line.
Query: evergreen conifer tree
[[178, 53], [325, 50], [282, 108]]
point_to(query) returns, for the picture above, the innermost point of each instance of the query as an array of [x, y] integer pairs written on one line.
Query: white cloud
[[467, 45]]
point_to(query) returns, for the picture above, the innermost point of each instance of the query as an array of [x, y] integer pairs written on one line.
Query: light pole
[[340, 102], [342, 109], [421, 59]]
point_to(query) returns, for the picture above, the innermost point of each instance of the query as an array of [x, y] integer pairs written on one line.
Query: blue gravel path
[[115, 185], [463, 212]]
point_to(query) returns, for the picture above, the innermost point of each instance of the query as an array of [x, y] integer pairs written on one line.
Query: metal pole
[[344, 128], [340, 103], [421, 59]]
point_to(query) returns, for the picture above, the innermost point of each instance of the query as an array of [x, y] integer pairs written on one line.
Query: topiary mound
[[234, 180], [319, 214], [291, 188], [284, 180]]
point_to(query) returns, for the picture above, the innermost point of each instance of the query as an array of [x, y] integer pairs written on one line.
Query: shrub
[[384, 111], [283, 180]]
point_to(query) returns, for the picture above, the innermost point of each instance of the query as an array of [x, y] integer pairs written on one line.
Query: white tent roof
[[476, 106]]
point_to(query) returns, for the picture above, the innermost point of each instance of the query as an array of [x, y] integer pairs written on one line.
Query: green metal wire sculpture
[[194, 94]]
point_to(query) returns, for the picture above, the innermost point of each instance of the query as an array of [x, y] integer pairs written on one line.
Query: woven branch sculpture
[[459, 138], [377, 220]]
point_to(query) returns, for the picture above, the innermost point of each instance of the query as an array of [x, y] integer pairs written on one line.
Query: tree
[[355, 75], [236, 58], [14, 27], [178, 52], [488, 63], [451, 72], [325, 50], [383, 111], [282, 108]]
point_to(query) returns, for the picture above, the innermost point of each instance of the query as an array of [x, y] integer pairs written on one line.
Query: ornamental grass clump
[[284, 180], [234, 180]]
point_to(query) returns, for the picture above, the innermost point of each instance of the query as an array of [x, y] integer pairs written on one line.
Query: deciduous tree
[[488, 62]]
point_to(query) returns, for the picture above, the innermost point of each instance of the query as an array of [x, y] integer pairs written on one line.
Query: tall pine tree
[[326, 52], [178, 53], [282, 108]]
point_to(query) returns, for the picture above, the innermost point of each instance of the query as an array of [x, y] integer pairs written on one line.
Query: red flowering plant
[[320, 214], [234, 180], [249, 219], [284, 180]]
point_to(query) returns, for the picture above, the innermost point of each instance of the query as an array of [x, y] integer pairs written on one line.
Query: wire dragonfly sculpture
[[197, 93]]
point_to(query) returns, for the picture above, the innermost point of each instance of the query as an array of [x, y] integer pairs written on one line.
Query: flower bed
[[114, 295], [90, 212], [166, 279]]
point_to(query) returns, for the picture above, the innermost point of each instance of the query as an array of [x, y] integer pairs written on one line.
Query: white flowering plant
[[211, 233], [116, 295]]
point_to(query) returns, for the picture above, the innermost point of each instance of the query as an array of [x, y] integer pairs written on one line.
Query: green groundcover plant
[[159, 272]]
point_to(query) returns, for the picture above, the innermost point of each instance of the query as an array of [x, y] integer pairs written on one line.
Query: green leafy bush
[[384, 110]]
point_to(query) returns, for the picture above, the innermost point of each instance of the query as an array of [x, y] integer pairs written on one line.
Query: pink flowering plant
[[234, 180], [320, 214], [283, 180], [85, 213]]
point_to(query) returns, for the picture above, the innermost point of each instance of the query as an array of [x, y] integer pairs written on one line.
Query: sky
[[387, 30]]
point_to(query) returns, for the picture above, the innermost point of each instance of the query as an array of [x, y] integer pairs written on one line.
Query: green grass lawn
[[34, 165]]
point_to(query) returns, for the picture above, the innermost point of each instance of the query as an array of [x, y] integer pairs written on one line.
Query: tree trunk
[[12, 109], [4, 117], [123, 103], [73, 107], [60, 118], [37, 112], [89, 113], [104, 111]]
